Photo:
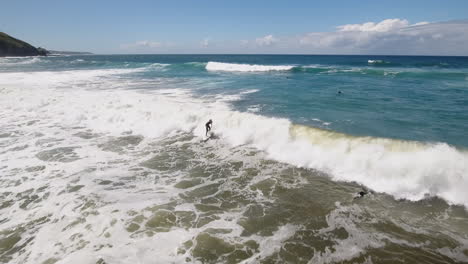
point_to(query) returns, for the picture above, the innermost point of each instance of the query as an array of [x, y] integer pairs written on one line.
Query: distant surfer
[[208, 126]]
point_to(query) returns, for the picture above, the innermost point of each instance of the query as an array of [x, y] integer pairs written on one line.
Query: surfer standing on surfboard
[[208, 126]]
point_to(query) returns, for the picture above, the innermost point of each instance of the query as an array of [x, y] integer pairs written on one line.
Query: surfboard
[[209, 136]]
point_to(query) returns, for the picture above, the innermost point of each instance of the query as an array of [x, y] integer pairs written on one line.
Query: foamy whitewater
[[232, 67], [104, 159]]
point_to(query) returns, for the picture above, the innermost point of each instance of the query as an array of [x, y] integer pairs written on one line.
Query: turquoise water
[[104, 159], [403, 97]]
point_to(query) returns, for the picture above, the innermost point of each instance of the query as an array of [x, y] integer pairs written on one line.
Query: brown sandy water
[[180, 200]]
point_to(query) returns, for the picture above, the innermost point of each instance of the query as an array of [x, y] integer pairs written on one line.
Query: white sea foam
[[10, 61], [375, 61], [403, 169], [30, 61], [232, 67], [60, 78], [269, 246], [158, 65], [249, 91], [77, 61], [254, 108], [321, 122], [60, 101], [233, 97], [356, 242]]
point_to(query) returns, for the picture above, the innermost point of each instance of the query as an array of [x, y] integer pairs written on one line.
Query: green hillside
[[10, 46]]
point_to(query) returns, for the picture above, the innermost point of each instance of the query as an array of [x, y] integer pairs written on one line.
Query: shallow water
[[109, 164]]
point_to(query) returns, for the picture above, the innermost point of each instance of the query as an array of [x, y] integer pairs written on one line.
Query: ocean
[[104, 159]]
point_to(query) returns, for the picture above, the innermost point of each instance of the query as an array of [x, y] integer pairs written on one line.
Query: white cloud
[[391, 36], [421, 23], [149, 44], [267, 40], [142, 44], [383, 26]]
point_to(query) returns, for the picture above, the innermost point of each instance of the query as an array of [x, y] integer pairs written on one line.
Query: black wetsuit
[[208, 126]]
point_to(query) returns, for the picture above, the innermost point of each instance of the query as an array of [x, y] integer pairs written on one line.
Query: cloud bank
[[267, 40], [387, 37], [142, 44], [383, 26], [391, 36]]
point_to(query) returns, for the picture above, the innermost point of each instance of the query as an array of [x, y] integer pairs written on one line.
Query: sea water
[[104, 159]]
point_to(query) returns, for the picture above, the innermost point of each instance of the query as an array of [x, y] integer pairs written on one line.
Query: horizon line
[[261, 54]]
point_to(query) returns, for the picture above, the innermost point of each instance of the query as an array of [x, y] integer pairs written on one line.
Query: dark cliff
[[10, 46]]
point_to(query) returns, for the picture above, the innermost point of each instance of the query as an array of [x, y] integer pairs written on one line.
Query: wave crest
[[405, 169], [232, 67]]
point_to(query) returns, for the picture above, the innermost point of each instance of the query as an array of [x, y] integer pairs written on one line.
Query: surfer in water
[[208, 126], [361, 194]]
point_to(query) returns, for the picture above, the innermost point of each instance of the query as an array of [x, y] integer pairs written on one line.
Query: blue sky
[[207, 26]]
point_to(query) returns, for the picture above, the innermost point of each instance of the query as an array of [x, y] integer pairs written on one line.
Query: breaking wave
[[377, 62], [232, 67], [19, 60], [374, 68], [405, 169], [323, 69]]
